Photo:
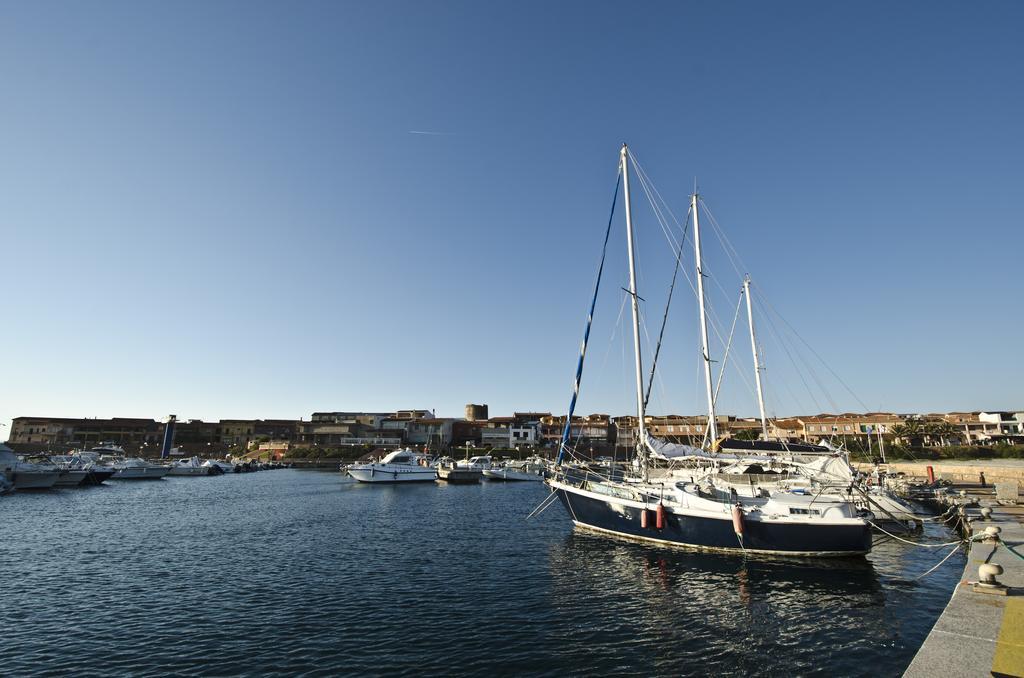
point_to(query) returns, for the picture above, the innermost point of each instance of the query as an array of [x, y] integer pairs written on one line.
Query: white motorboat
[[217, 466], [400, 466], [531, 470], [134, 468], [475, 463], [192, 466], [95, 473], [71, 477], [107, 450], [25, 475]]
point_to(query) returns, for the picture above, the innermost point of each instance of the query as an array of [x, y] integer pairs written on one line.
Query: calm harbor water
[[303, 572]]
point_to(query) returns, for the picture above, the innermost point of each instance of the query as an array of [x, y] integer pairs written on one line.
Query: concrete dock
[[981, 631]]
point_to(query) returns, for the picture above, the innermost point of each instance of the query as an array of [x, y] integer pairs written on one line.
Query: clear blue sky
[[219, 209]]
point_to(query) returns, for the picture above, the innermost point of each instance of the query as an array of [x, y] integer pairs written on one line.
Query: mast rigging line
[[734, 259], [659, 207], [650, 191], [567, 431], [769, 306], [737, 262], [668, 303], [728, 346]]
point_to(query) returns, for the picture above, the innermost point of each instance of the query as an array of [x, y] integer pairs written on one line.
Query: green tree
[[747, 434], [908, 433], [943, 431]]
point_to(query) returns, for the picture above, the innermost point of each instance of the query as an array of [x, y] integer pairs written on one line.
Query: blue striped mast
[[567, 431]]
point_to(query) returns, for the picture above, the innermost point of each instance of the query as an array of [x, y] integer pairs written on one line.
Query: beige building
[[848, 425]]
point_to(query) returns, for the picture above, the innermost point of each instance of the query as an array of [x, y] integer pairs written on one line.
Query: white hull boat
[[190, 467], [475, 463], [216, 467], [511, 472], [23, 475], [71, 477], [31, 479], [400, 466], [138, 469]]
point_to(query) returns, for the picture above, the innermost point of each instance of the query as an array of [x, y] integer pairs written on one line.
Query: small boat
[[67, 476], [218, 466], [453, 475], [134, 468], [400, 466], [28, 477], [475, 463], [71, 477], [95, 472], [530, 470], [190, 467], [24, 475]]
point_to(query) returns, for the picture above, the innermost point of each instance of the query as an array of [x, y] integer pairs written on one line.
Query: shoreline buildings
[[418, 427]]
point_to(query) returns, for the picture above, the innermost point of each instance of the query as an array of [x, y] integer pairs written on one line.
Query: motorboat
[[530, 470], [71, 477], [67, 475], [95, 473], [25, 475], [449, 473], [475, 463], [192, 466], [134, 468], [400, 466], [107, 450], [218, 466]]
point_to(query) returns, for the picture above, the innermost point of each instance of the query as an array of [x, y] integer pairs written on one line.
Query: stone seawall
[[995, 470]]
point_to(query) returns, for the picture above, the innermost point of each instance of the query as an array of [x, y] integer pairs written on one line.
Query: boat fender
[[643, 518], [737, 520], [659, 521]]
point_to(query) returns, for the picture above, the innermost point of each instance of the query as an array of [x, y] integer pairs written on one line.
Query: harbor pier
[[981, 631]]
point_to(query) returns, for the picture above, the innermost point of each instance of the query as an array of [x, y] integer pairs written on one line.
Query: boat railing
[[832, 489]]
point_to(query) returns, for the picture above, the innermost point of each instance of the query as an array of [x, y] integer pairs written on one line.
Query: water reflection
[[685, 609]]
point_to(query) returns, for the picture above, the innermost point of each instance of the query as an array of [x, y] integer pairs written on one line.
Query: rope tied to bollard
[[914, 543]]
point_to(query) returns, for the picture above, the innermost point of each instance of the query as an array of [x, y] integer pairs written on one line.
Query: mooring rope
[[951, 552], [916, 543]]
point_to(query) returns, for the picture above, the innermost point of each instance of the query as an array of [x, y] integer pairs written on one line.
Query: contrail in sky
[[432, 134]]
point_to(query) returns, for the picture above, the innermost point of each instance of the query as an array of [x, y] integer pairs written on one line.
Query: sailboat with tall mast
[[689, 509]]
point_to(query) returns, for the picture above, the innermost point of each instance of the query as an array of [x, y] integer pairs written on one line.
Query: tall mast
[[641, 427], [712, 424], [757, 363]]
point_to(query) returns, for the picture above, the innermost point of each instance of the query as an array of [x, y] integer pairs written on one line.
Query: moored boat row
[[406, 465], [99, 464]]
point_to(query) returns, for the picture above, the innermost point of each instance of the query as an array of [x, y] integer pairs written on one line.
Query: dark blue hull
[[716, 534]]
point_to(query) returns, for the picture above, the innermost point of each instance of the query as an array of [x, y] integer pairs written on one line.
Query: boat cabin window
[[401, 460], [803, 511]]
